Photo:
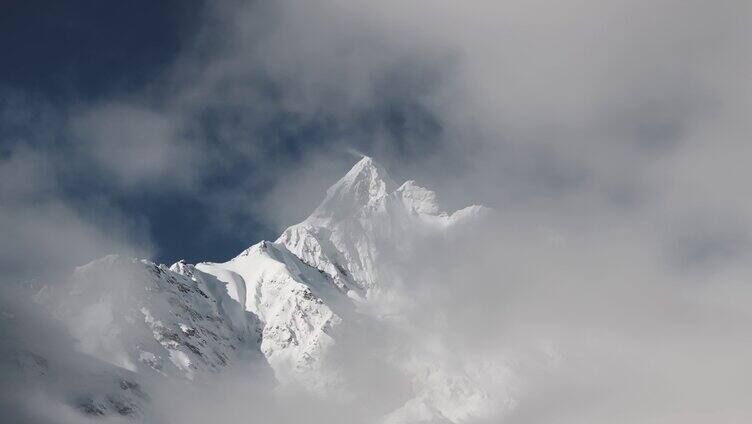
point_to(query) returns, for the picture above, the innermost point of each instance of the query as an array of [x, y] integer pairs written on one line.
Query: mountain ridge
[[282, 302]]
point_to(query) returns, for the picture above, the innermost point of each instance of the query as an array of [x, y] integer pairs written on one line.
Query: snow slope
[[45, 378], [279, 302], [293, 301], [147, 318], [349, 245], [365, 222]]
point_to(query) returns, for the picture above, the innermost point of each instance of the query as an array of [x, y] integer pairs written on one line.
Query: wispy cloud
[[611, 137]]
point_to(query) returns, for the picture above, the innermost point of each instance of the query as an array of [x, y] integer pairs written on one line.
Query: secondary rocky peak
[[417, 199]]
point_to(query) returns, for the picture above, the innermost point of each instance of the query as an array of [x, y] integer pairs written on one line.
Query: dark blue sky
[[89, 48], [195, 129], [62, 58], [72, 52]]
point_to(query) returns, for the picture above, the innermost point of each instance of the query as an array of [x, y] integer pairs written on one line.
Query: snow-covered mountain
[[364, 221], [282, 303]]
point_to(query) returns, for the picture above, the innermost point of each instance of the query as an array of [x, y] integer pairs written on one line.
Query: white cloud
[[610, 136], [135, 146]]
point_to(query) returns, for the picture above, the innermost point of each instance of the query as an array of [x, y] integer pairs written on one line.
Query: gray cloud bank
[[611, 137]]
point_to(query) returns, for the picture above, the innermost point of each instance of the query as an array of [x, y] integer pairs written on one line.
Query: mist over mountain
[[244, 211], [270, 316]]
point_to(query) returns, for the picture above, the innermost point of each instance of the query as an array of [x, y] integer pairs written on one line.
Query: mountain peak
[[365, 184], [367, 169]]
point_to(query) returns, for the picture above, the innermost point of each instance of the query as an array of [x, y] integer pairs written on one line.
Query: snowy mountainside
[[364, 222], [39, 361], [281, 303], [294, 302], [344, 254], [147, 318]]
